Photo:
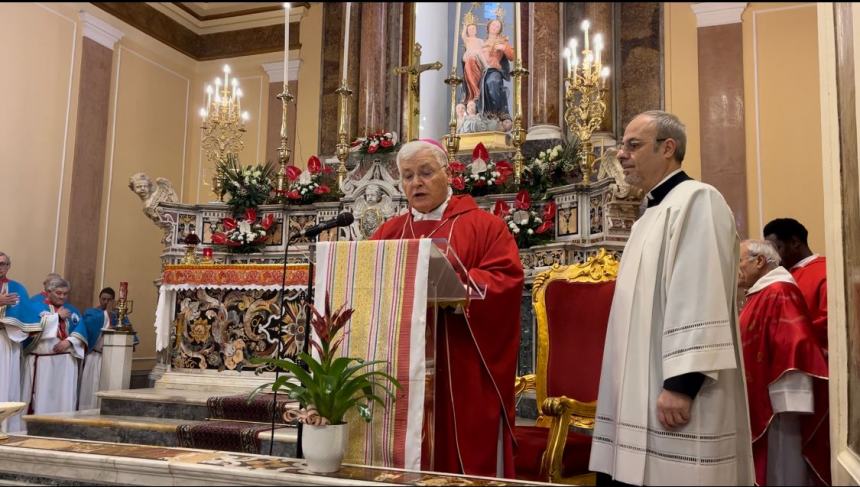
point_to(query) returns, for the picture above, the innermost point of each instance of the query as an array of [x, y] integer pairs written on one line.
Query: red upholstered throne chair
[[571, 306]]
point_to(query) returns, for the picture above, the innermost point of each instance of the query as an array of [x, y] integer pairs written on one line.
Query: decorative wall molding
[[99, 30], [718, 13], [276, 70], [233, 17], [202, 47]]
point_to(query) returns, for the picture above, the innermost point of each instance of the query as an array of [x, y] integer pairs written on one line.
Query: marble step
[[155, 403], [138, 430]]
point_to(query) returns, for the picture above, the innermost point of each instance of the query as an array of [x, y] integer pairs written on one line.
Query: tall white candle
[[456, 38], [519, 31], [344, 72], [585, 25], [286, 40]]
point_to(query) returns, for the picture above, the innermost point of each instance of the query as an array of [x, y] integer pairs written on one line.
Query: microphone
[[342, 220]]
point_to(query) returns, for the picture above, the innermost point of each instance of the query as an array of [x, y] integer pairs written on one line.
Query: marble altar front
[[77, 462]]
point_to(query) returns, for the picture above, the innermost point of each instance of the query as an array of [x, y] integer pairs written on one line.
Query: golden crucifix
[[414, 70]]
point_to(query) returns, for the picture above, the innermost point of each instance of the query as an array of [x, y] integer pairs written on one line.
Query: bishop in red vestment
[[808, 269], [476, 348], [786, 372]]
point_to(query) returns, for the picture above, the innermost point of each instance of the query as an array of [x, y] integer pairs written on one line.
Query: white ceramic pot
[[323, 447]]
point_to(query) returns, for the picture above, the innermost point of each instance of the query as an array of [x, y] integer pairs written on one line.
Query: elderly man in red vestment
[[808, 269], [786, 373], [476, 349]]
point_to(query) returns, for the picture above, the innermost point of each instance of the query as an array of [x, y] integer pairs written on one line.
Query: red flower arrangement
[[379, 142], [306, 186], [245, 234], [482, 176], [527, 226]]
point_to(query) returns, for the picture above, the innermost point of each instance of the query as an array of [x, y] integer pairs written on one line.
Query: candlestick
[[585, 25], [519, 33], [123, 290], [344, 72], [598, 46], [286, 39], [456, 39], [226, 73]]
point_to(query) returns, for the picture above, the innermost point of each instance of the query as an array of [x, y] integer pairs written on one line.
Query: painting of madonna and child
[[484, 42]]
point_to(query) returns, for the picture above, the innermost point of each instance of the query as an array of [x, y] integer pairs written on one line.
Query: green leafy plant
[[249, 186], [332, 385]]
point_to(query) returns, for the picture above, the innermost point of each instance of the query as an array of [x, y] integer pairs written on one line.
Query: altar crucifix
[[414, 70]]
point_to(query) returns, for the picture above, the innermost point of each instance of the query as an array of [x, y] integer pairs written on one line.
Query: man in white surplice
[[51, 365], [672, 405]]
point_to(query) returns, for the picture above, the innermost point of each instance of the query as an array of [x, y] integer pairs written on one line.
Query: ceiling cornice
[[203, 47]]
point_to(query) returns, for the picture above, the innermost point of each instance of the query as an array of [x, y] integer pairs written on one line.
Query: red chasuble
[[778, 337], [476, 353], [812, 281]]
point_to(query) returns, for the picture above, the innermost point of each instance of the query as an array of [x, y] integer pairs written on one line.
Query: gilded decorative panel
[[223, 329]]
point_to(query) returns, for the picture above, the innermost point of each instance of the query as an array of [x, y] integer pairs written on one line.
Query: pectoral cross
[[414, 70]]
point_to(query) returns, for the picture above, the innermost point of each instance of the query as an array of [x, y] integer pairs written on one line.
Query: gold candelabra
[[342, 147], [452, 140], [518, 134], [283, 150], [585, 97], [124, 307], [223, 123]]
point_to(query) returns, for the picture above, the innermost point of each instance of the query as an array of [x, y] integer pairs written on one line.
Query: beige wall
[[783, 140], [310, 85], [153, 127], [37, 133], [682, 77], [783, 122]]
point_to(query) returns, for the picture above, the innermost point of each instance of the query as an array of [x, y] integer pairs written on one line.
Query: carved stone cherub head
[[141, 185], [372, 194]]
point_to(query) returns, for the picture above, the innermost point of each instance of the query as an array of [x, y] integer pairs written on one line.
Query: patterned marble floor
[[162, 461]]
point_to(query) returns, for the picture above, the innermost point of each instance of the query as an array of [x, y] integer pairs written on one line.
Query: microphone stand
[[279, 335], [309, 299]]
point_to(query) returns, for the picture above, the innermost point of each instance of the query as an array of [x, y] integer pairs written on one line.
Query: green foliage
[[332, 385], [248, 187], [556, 166]]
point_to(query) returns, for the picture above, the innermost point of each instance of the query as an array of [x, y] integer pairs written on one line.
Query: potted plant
[[331, 386]]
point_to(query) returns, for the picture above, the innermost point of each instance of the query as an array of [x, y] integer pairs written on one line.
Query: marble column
[[332, 51], [603, 17], [372, 64], [88, 170], [721, 103], [273, 126], [435, 101], [638, 76], [545, 70]]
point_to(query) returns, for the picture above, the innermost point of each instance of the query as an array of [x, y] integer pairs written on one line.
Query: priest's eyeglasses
[[633, 145], [4, 264]]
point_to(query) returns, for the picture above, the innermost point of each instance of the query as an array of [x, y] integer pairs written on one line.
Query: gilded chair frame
[[558, 414]]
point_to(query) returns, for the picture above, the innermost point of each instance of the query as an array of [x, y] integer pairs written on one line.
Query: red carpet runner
[[234, 424]]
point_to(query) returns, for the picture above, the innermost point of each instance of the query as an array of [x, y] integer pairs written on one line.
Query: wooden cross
[[414, 70]]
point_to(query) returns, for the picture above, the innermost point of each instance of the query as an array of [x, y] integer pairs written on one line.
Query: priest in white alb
[[672, 407]]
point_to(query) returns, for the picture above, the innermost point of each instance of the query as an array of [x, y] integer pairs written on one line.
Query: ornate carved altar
[[589, 217]]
